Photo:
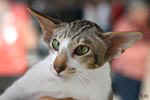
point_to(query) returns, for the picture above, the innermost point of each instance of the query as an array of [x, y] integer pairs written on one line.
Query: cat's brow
[[75, 29], [78, 27], [80, 31]]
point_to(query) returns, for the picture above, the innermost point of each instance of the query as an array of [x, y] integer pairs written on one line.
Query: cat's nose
[[60, 63], [59, 69]]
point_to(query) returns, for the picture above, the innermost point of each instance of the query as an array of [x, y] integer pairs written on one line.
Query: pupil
[[81, 50], [55, 44], [84, 50]]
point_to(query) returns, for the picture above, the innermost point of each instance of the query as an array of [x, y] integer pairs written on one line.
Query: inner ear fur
[[118, 42], [47, 24]]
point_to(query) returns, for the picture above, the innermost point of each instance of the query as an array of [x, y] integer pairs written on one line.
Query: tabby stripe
[[81, 30], [61, 35], [65, 34]]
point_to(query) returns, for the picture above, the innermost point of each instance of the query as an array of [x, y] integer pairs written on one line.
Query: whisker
[[82, 81], [85, 76]]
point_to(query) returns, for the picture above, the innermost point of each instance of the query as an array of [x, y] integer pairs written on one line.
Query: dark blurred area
[[60, 9]]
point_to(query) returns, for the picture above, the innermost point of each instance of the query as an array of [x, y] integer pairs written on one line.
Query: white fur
[[42, 80], [64, 44]]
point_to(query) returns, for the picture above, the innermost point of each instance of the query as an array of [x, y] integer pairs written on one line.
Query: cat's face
[[82, 45], [77, 46]]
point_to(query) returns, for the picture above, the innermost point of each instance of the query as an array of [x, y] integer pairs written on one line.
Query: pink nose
[[60, 63]]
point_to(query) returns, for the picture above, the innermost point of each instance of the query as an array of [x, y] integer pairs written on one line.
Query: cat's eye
[[55, 44], [81, 50]]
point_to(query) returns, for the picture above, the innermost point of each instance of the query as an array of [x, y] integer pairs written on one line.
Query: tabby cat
[[77, 65]]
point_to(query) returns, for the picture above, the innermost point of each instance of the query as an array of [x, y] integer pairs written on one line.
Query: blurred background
[[130, 68], [26, 47]]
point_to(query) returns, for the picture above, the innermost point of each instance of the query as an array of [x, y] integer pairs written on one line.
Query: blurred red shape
[[12, 43]]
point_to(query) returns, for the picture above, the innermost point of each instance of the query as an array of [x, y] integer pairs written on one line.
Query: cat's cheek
[[88, 63]]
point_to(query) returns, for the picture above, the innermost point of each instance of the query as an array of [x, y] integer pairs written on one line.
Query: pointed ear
[[47, 24], [118, 42]]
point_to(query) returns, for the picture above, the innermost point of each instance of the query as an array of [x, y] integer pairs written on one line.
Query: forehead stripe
[[82, 29]]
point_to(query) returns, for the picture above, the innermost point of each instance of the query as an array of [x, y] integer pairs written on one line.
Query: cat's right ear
[[118, 42], [47, 24]]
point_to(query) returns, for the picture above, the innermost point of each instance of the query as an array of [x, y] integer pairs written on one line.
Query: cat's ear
[[118, 42], [47, 24]]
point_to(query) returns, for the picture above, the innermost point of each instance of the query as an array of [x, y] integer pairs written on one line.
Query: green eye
[[81, 50], [55, 44]]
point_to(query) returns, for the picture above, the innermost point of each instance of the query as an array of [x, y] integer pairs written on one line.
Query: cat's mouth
[[67, 72]]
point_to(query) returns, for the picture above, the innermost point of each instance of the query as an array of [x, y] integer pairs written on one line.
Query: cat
[[77, 67]]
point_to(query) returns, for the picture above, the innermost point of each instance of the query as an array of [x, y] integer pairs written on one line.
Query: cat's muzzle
[[60, 65]]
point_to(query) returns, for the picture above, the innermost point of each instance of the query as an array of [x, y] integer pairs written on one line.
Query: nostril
[[73, 69], [59, 69]]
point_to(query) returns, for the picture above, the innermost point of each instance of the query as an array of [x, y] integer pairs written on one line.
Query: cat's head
[[82, 44]]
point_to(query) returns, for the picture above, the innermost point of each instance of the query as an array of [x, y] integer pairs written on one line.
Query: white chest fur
[[40, 81]]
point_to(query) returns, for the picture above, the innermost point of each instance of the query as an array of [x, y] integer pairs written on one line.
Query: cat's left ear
[[118, 42], [47, 24]]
